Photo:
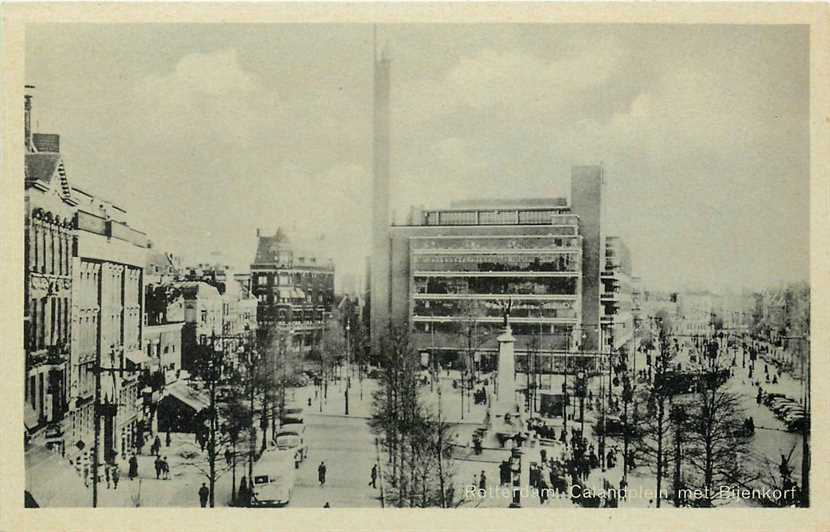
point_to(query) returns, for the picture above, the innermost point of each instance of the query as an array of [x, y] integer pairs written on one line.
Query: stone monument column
[[506, 384]]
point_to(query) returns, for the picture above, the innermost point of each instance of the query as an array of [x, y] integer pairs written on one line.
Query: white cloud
[[208, 99]]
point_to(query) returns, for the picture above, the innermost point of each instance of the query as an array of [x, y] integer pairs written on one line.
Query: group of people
[[162, 468], [155, 447], [112, 474]]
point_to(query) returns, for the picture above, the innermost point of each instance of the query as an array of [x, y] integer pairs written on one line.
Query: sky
[[205, 133]]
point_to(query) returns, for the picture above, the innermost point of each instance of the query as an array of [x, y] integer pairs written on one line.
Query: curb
[[338, 415]]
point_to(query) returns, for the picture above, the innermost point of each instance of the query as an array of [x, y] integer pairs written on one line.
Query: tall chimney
[[27, 117], [380, 289]]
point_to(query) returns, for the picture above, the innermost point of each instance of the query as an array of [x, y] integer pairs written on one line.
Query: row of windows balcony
[[494, 313], [497, 263], [499, 217], [519, 308], [568, 239], [483, 331], [496, 285]]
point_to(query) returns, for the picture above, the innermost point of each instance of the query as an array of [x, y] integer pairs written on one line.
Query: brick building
[[294, 289], [50, 241]]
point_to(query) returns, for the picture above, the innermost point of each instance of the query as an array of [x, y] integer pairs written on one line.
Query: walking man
[[157, 445], [165, 468], [133, 467], [204, 492], [115, 476], [321, 474], [482, 483], [157, 464], [374, 475]]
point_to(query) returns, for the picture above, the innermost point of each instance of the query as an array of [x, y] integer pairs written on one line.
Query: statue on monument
[[506, 306]]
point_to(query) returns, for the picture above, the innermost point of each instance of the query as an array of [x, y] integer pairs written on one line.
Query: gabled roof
[[267, 246], [196, 400], [47, 168], [163, 260], [41, 166], [191, 289]]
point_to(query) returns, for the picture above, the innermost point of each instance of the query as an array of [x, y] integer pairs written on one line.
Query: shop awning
[[137, 357], [30, 417]]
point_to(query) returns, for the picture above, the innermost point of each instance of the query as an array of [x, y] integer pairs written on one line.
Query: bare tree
[[717, 444], [656, 426]]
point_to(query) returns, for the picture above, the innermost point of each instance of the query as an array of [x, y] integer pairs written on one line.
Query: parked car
[[273, 482], [291, 437], [791, 409], [798, 424], [770, 397], [782, 410], [297, 380], [291, 418]]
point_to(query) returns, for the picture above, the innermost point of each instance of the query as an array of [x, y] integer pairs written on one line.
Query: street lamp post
[[348, 366], [98, 410]]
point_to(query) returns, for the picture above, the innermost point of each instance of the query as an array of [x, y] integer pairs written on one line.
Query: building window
[[34, 324]]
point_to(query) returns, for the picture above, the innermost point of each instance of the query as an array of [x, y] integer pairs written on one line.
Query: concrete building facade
[[107, 323], [617, 296], [455, 272]]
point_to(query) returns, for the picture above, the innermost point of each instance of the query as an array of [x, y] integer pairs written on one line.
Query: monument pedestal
[[505, 418]]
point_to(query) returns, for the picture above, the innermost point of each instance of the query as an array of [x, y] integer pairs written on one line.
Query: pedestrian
[[228, 456], [374, 476], [321, 474], [244, 495], [204, 492], [482, 483], [165, 468], [543, 490], [623, 486], [157, 445], [116, 474], [157, 464], [133, 472]]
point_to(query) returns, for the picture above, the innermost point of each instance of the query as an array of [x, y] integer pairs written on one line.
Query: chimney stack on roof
[[47, 142], [27, 113]]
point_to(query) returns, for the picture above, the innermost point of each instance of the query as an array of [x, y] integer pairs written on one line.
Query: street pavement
[[347, 447]]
